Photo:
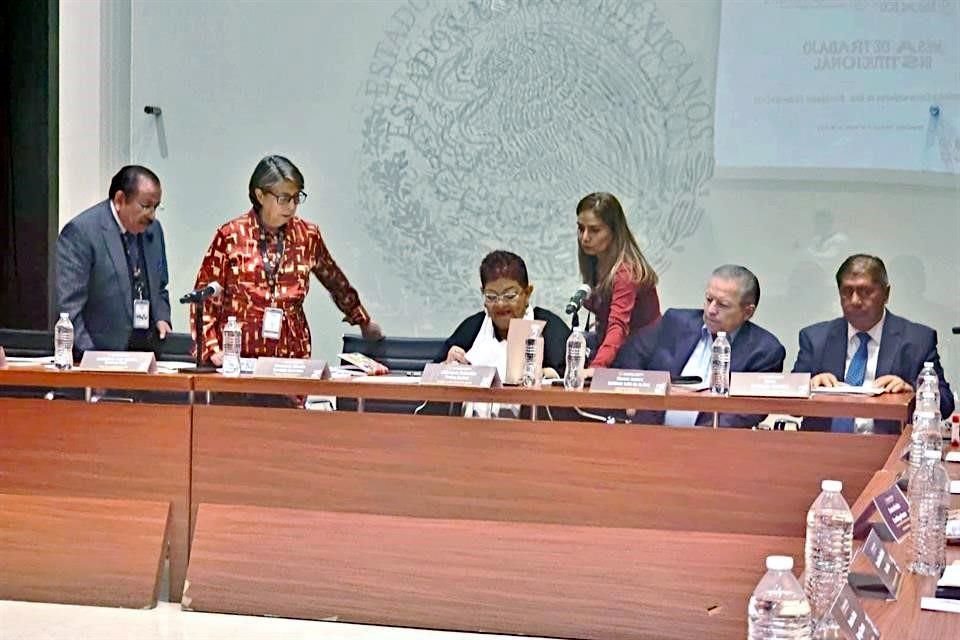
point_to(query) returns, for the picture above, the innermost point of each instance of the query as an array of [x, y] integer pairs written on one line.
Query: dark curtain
[[28, 160]]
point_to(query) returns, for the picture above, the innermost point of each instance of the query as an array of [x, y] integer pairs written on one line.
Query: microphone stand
[[200, 367]]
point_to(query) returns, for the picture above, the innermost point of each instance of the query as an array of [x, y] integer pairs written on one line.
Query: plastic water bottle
[[927, 370], [63, 343], [778, 608], [929, 496], [720, 365], [576, 357], [232, 337], [530, 374], [924, 436], [827, 552]]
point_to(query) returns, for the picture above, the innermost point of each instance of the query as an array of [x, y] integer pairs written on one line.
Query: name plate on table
[[894, 512], [652, 383], [3, 359], [770, 385], [848, 613], [460, 375], [885, 576], [292, 368], [127, 361]]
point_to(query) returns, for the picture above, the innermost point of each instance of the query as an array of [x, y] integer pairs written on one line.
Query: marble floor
[[39, 621]]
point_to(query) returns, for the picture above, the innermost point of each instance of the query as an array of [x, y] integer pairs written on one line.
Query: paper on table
[[845, 389], [953, 456], [22, 361], [955, 487], [388, 379]]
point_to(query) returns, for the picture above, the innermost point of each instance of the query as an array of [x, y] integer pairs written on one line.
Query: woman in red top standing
[[624, 284], [263, 260]]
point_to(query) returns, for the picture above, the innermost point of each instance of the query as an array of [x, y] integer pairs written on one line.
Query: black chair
[[397, 354], [26, 343]]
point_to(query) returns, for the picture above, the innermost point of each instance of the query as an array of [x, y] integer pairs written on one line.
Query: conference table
[[534, 527]]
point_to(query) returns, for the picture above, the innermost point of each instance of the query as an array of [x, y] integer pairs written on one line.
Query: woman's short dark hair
[[128, 180], [503, 264], [270, 172]]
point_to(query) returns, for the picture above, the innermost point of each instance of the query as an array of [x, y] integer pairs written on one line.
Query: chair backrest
[[397, 354], [26, 343]]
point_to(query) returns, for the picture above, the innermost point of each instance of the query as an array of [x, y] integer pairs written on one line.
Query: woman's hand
[[217, 359], [371, 331], [549, 373], [456, 355]]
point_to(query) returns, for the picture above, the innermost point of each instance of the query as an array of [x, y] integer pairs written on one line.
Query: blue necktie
[[856, 372]]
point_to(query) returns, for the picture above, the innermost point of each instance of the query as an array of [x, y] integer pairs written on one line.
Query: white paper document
[[846, 389]]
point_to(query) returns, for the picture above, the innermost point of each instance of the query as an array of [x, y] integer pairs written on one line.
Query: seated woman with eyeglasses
[[263, 261], [481, 339]]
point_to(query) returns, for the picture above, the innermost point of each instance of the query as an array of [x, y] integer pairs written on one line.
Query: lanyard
[[271, 269], [133, 262]]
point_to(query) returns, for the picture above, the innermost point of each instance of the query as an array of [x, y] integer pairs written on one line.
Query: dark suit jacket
[[904, 347], [670, 346], [93, 280]]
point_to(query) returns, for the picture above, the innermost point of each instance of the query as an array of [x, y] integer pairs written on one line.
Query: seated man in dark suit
[[868, 345], [681, 344]]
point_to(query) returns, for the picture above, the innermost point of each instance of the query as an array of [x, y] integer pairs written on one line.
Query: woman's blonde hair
[[606, 207]]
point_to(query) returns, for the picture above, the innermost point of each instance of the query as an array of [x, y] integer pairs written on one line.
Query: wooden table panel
[[529, 579], [81, 550], [727, 480], [130, 451], [886, 406]]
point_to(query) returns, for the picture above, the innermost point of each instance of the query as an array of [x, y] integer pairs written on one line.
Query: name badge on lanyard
[[141, 314], [272, 315]]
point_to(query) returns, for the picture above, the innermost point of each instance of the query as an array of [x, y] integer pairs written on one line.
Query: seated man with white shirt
[[869, 345], [682, 341]]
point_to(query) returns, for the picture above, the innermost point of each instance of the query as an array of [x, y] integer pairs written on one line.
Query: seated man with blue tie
[[682, 342], [869, 345]]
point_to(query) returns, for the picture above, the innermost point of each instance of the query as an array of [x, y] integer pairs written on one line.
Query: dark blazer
[[904, 347], [672, 343], [93, 280], [555, 334]]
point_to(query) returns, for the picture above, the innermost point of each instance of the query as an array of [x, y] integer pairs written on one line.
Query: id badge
[[272, 320], [141, 314]]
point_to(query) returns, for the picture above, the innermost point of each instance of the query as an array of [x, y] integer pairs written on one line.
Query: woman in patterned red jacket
[[263, 261]]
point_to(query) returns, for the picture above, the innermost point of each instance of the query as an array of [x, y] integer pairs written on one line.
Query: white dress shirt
[[698, 364]]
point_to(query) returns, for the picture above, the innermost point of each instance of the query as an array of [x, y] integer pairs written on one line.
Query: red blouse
[[623, 311], [235, 260]]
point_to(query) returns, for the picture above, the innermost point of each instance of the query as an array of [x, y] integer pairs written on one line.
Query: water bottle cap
[[64, 316], [779, 563], [834, 486], [724, 334], [931, 454], [928, 364], [231, 318]]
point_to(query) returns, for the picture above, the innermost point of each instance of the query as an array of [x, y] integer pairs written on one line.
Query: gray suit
[[93, 279]]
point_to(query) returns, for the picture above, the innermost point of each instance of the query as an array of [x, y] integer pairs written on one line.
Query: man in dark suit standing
[[868, 345], [682, 342], [112, 268]]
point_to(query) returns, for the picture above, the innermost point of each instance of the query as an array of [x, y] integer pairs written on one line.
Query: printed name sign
[[654, 383], [460, 375], [3, 359], [848, 613], [292, 368], [885, 577], [894, 512], [127, 361], [770, 385]]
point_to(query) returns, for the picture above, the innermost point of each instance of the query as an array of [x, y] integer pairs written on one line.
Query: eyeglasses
[[509, 297], [156, 208], [283, 199]]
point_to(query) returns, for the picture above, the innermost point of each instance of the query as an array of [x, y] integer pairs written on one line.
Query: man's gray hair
[[749, 285]]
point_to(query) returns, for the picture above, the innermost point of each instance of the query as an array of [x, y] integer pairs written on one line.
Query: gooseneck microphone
[[198, 295], [576, 300]]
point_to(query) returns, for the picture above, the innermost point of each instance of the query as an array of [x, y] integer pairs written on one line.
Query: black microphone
[[576, 300], [198, 295]]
